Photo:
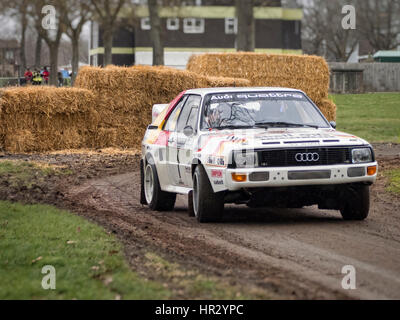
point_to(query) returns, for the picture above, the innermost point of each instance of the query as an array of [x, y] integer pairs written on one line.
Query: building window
[[9, 55], [173, 24], [193, 25], [230, 25], [145, 23]]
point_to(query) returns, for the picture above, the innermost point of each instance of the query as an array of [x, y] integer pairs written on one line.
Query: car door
[[185, 144], [172, 150]]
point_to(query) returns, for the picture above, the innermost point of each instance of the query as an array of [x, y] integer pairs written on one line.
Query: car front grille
[[304, 157]]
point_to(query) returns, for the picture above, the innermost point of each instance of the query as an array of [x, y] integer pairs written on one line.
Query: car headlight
[[246, 159], [361, 155]]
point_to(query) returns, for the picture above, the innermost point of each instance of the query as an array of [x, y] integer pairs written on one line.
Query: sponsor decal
[[216, 161], [257, 96], [216, 173], [218, 182]]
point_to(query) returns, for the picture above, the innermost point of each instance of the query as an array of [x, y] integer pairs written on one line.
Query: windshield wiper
[[291, 124]]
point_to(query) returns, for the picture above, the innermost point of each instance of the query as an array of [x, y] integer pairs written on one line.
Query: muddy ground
[[268, 253]]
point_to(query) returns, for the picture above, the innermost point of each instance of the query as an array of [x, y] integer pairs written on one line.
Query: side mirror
[[157, 109], [333, 124], [188, 131]]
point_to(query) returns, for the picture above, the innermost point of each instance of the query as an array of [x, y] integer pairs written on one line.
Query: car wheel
[[356, 203], [207, 205], [156, 198]]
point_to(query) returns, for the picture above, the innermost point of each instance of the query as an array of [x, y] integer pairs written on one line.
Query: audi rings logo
[[307, 157]]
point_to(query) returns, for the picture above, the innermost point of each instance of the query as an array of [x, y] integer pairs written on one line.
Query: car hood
[[223, 141]]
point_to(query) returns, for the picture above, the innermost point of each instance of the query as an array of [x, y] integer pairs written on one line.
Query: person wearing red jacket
[[46, 75], [28, 76]]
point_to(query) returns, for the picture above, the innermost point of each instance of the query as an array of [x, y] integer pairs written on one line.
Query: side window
[[192, 121], [173, 117], [189, 110]]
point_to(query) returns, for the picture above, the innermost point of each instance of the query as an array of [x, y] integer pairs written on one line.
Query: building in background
[[203, 26], [9, 51]]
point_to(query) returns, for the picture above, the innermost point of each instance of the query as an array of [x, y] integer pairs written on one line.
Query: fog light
[[239, 177], [371, 170]]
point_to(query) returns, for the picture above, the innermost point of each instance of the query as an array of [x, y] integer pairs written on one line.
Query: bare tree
[[379, 23], [52, 37], [323, 33], [155, 33], [79, 12], [38, 50], [246, 25], [106, 14]]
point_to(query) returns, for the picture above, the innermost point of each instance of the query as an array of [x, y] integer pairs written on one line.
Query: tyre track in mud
[[290, 253]]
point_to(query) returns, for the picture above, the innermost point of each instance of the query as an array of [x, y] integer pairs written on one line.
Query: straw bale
[[307, 73], [328, 108], [20, 141], [46, 118]]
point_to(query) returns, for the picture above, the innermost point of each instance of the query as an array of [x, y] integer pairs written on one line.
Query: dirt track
[[293, 253]]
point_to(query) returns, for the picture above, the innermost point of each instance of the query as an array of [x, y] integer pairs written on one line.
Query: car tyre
[[207, 204], [156, 198], [356, 203]]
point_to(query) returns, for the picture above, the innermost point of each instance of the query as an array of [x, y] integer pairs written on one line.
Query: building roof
[[387, 54]]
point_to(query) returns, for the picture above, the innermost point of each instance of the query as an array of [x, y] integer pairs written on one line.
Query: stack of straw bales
[[46, 118], [125, 96], [307, 73]]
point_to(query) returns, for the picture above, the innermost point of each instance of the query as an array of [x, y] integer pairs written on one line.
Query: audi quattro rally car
[[263, 147]]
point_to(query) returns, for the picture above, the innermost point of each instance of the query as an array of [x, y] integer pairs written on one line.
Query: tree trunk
[[53, 63], [38, 51], [75, 57], [22, 55], [246, 27], [108, 43], [155, 34]]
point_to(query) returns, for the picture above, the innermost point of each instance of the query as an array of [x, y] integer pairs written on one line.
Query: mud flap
[[142, 196]]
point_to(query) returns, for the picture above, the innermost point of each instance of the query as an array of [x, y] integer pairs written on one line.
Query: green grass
[[88, 261], [394, 180], [374, 117]]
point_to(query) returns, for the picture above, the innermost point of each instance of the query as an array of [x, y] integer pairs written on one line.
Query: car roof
[[204, 91]]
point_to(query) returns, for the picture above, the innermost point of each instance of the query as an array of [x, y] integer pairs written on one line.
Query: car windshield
[[259, 109]]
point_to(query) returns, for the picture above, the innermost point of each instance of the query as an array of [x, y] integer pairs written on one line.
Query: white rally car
[[263, 147]]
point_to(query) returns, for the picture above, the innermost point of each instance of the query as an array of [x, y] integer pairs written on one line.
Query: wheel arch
[[195, 163]]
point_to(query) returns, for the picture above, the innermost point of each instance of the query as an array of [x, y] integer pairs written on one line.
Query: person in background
[[60, 79], [46, 75], [28, 76], [37, 78]]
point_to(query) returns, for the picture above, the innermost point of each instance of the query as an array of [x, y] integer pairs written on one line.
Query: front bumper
[[298, 176]]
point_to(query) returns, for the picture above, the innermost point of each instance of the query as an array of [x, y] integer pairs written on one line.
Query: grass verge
[[28, 174], [394, 180], [374, 116], [88, 261], [191, 284]]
